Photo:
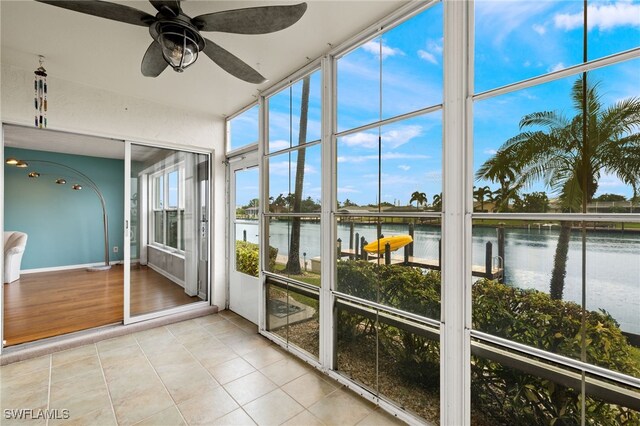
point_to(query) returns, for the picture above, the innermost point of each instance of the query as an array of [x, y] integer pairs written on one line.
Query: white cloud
[[283, 168], [540, 29], [604, 17], [501, 18], [398, 137], [373, 47], [278, 145], [347, 190], [392, 138], [557, 67], [608, 181], [386, 156], [364, 140], [432, 52], [429, 57], [404, 167], [490, 151]]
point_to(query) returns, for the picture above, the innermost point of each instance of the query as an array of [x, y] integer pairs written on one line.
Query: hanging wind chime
[[40, 98]]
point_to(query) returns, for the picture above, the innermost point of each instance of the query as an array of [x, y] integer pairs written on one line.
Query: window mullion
[[455, 356]]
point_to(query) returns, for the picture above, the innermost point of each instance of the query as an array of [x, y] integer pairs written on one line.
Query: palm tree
[[419, 197], [569, 163], [293, 261], [500, 169], [480, 194], [437, 202]]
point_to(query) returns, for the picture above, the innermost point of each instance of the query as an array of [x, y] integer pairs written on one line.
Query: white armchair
[[14, 245]]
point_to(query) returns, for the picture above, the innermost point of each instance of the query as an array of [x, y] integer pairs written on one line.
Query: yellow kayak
[[396, 242]]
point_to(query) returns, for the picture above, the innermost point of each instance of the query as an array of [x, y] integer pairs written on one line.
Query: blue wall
[[64, 226]]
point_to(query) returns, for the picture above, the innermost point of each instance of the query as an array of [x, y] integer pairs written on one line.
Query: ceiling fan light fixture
[[179, 47]]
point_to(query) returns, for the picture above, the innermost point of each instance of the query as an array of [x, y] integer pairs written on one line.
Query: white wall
[[83, 109]]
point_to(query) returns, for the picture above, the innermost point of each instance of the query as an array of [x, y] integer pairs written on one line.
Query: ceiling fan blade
[[173, 5], [153, 62], [232, 64], [104, 9], [253, 20]]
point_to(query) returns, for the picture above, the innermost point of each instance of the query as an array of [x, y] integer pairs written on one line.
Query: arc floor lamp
[[89, 182]]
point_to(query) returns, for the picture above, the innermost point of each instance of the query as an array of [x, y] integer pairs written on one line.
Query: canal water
[[612, 259]]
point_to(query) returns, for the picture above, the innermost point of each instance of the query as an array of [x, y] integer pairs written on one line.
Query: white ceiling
[[107, 54]]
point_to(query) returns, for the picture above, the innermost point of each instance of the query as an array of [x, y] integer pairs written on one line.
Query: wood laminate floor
[[49, 304]]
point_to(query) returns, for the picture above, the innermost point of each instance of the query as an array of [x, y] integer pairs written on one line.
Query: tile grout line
[[175, 404], [104, 378], [278, 387], [209, 373]]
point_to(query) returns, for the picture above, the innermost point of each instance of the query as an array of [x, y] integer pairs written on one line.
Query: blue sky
[[401, 71]]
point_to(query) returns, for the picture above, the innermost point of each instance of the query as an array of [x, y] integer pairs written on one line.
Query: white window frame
[[457, 213], [165, 209]]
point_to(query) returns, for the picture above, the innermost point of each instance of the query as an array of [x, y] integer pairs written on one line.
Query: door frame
[[241, 161], [127, 317]]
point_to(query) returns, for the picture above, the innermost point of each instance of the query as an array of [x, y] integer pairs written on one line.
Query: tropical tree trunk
[[556, 287], [293, 262]]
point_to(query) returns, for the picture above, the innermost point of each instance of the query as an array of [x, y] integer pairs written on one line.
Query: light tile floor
[[213, 370]]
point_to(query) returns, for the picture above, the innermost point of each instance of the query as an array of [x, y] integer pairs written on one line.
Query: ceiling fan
[[176, 36]]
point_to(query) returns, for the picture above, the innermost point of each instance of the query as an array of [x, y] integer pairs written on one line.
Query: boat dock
[[493, 273]]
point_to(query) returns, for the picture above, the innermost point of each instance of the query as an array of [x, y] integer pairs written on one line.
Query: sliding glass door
[[167, 230]]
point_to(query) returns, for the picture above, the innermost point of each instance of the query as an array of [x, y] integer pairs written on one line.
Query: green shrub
[[505, 394], [247, 258]]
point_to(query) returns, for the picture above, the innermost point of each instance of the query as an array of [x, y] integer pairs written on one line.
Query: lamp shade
[[179, 48], [11, 161]]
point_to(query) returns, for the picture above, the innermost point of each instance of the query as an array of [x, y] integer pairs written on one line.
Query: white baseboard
[[166, 274], [67, 267]]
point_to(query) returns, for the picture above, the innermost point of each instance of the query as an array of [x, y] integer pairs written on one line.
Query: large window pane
[[412, 64], [358, 81], [512, 389], [297, 105], [404, 275], [613, 26], [356, 340], [293, 313], [394, 358], [389, 164], [398, 72], [158, 227], [172, 229], [528, 145], [243, 129], [295, 181], [516, 40], [172, 189], [537, 298], [295, 253]]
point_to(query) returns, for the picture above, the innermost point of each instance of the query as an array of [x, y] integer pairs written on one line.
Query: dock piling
[[387, 254], [501, 250]]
